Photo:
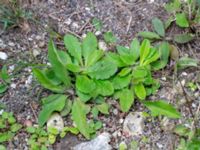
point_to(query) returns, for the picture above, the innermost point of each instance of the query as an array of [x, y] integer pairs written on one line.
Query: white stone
[[3, 56], [103, 46], [97, 33], [11, 44], [134, 124], [55, 121], [36, 52], [101, 142], [13, 85], [75, 25], [68, 21]]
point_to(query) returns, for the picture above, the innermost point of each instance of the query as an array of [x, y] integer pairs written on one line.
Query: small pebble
[[36, 52], [13, 85], [3, 56], [11, 44]]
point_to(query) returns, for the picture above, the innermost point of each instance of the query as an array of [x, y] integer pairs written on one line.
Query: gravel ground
[[125, 18]]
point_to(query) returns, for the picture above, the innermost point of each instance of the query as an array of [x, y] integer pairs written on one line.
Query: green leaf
[[50, 75], [103, 108], [144, 50], [2, 147], [173, 6], [64, 57], [115, 58], [102, 70], [149, 35], [89, 45], [73, 68], [162, 108], [79, 117], [139, 72], [181, 20], [4, 74], [121, 82], [58, 67], [31, 129], [109, 37], [104, 87], [44, 81], [185, 62], [183, 38], [6, 136], [97, 24], [66, 110], [55, 105], [164, 51], [135, 49], [94, 57], [83, 97], [181, 130], [158, 26], [15, 127], [153, 56], [84, 84], [74, 47], [126, 98], [140, 91], [124, 72], [3, 88]]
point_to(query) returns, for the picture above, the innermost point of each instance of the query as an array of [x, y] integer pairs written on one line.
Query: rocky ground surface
[[23, 47]]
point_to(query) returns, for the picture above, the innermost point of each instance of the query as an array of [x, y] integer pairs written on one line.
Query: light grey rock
[[103, 46], [55, 121], [133, 124], [3, 56], [36, 52], [101, 142]]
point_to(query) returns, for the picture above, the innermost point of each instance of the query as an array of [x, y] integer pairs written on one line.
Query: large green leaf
[[126, 98], [158, 26], [74, 47], [44, 81], [181, 20], [121, 82], [144, 50], [56, 103], [140, 91], [183, 38], [104, 87], [57, 65], [89, 45], [84, 84], [79, 117], [149, 35], [162, 108], [135, 49], [102, 69]]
